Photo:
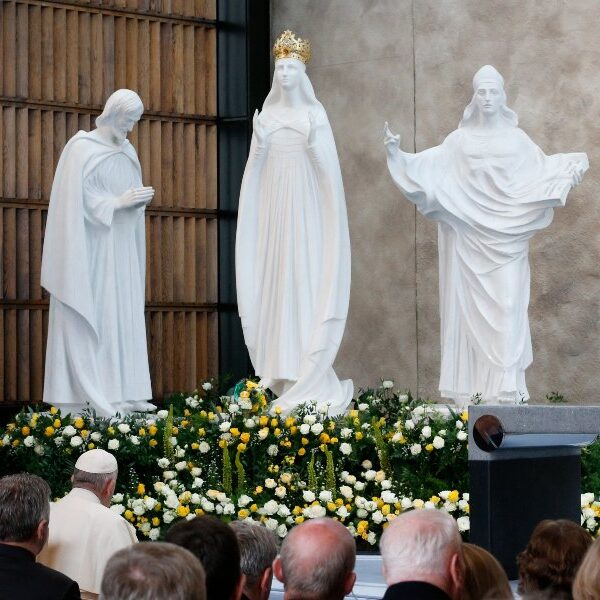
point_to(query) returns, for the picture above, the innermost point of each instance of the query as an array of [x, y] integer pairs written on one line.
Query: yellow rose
[[201, 432], [278, 410], [155, 521], [234, 431], [299, 520], [152, 430], [141, 432], [53, 410], [25, 430], [57, 423], [195, 446], [429, 447], [435, 500], [253, 507], [152, 443], [199, 512], [453, 496], [258, 489], [241, 447], [251, 385], [49, 431], [293, 430], [78, 423], [358, 435], [128, 515], [141, 489], [304, 441], [245, 437], [244, 394], [263, 421], [302, 452], [274, 422], [222, 443], [15, 443], [85, 433], [183, 511], [91, 446], [464, 415], [277, 431], [243, 513]]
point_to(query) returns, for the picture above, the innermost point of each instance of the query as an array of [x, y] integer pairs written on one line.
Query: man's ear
[[266, 579], [239, 588], [278, 570], [41, 533], [456, 575], [349, 582]]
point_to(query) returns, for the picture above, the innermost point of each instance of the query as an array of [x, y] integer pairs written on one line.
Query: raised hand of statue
[[261, 133], [391, 140], [136, 197], [312, 129]]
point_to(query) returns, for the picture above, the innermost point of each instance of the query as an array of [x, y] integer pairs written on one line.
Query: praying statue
[[490, 189], [293, 245], [93, 266]]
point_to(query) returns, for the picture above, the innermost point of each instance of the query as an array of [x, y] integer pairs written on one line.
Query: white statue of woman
[[93, 266], [490, 188], [293, 247]]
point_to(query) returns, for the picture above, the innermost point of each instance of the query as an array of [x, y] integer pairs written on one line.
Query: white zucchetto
[[97, 461]]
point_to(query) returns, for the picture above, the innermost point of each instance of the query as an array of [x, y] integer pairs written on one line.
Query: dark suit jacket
[[415, 590], [21, 578]]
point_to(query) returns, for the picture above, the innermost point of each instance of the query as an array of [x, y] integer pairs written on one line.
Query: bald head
[[423, 545], [316, 561]]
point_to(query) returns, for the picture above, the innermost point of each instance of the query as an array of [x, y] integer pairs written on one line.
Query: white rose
[[359, 486], [272, 450], [304, 428], [403, 398], [154, 534], [363, 406], [139, 510], [135, 440], [345, 448], [225, 426], [118, 508], [270, 483], [462, 436], [113, 444], [75, 441], [282, 531], [426, 432], [123, 428], [377, 516], [30, 440], [270, 507], [361, 513], [172, 501], [463, 523], [415, 449], [346, 432], [405, 503], [342, 512], [350, 479], [280, 491], [244, 500], [206, 386], [197, 483], [310, 419], [245, 403], [283, 511], [203, 447], [168, 517], [150, 503], [271, 524], [325, 496], [207, 505], [39, 450], [180, 452], [69, 431], [229, 509], [367, 464], [233, 408], [316, 511], [308, 496], [317, 428], [167, 475], [386, 484], [438, 442], [388, 497], [249, 423], [346, 491], [418, 410], [180, 466], [195, 499], [387, 384], [444, 494], [459, 424], [162, 414], [587, 499], [58, 441], [409, 424], [96, 436], [196, 471], [370, 475], [163, 463], [263, 433]]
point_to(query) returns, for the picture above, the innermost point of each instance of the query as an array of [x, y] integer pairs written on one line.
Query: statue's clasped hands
[[576, 171], [136, 197], [390, 140], [261, 133]]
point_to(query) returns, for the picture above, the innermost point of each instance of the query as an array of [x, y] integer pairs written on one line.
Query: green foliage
[[241, 474], [556, 398], [227, 478], [590, 468]]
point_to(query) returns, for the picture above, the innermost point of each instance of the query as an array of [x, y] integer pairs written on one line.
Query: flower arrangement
[[229, 456]]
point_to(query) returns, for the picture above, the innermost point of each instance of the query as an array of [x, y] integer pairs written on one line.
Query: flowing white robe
[[94, 268], [489, 193], [293, 263], [84, 534]]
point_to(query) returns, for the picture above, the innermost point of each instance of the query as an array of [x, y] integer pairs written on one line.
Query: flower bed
[[227, 455]]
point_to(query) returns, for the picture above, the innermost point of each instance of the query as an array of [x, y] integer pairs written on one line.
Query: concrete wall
[[411, 62]]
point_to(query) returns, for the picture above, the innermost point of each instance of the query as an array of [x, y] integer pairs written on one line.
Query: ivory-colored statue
[[93, 266], [490, 188], [292, 247]]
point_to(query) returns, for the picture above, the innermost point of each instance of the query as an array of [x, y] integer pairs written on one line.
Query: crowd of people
[[78, 548]]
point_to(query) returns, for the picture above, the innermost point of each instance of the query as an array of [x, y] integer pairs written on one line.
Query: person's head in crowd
[[24, 511], [484, 577], [153, 571], [587, 581], [258, 549], [552, 557], [316, 561], [423, 546], [96, 470], [214, 543]]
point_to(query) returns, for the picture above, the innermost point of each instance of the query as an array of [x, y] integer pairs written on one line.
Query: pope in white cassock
[[490, 188], [93, 265], [293, 246]]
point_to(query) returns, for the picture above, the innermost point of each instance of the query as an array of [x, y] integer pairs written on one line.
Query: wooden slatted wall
[[59, 62]]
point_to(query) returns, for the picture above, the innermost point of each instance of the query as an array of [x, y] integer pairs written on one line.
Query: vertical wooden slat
[[108, 52], [166, 273], [96, 59], [189, 260], [178, 165], [22, 50], [199, 65], [201, 167], [73, 40], [211, 71], [10, 254], [189, 179], [166, 66], [35, 52], [85, 60], [36, 355], [132, 55], [179, 251], [155, 66], [168, 346], [47, 148], [35, 253], [120, 53], [178, 69], [178, 350], [143, 62], [167, 159], [156, 172], [59, 60], [9, 39], [22, 152], [10, 354], [48, 58], [211, 166], [23, 365], [22, 254], [9, 151], [34, 161]]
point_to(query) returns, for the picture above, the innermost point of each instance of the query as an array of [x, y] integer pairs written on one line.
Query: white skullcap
[[97, 461], [487, 73]]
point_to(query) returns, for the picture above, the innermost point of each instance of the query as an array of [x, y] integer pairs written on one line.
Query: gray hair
[[153, 571], [258, 549], [93, 481], [120, 103], [419, 543], [24, 503], [322, 572]]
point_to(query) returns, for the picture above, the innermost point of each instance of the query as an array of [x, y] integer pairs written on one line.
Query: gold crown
[[288, 45]]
